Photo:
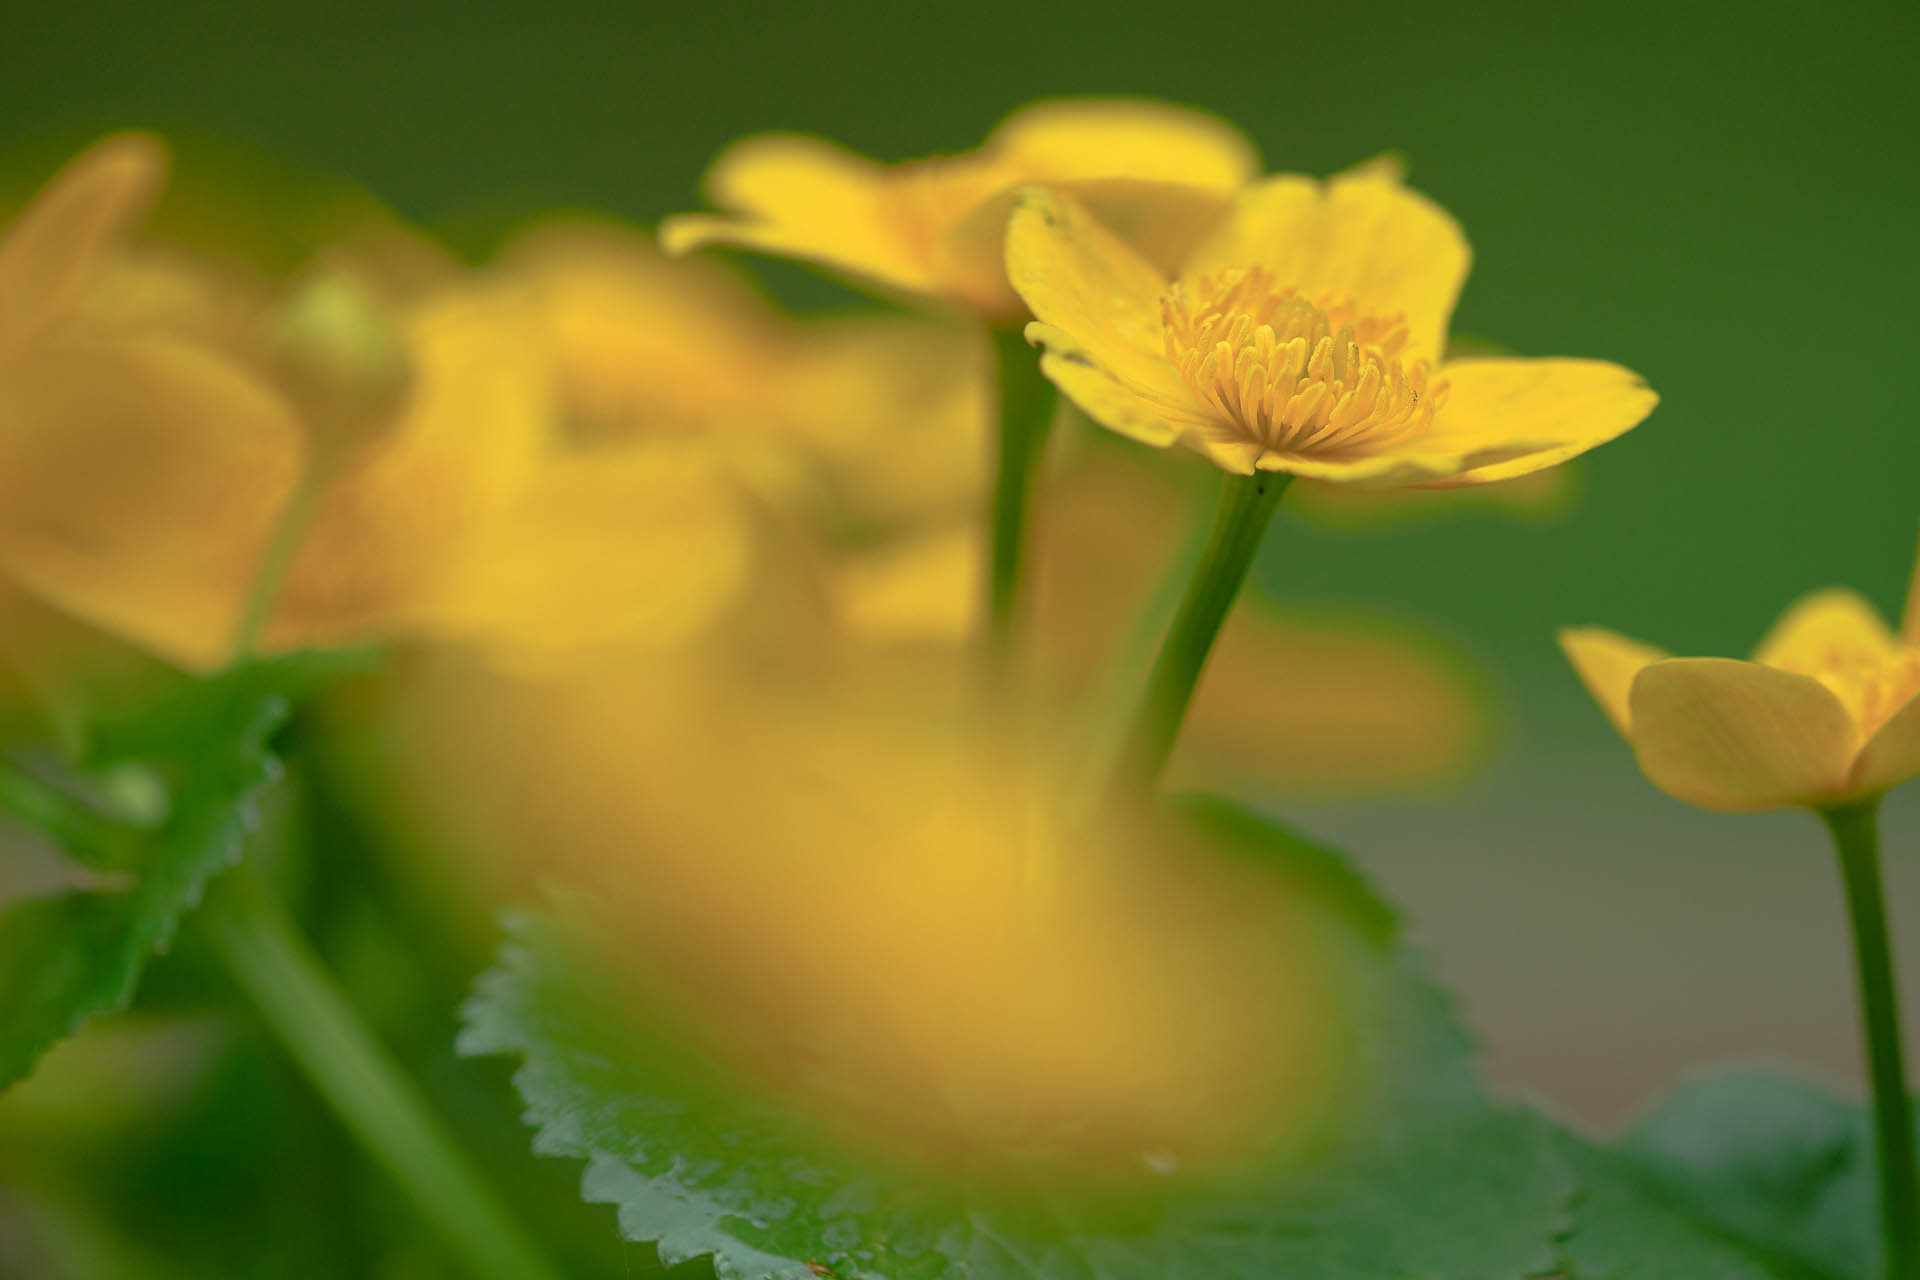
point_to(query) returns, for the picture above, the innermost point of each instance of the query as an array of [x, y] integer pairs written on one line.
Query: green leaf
[[1621, 1229], [1774, 1162], [1443, 1186], [65, 959]]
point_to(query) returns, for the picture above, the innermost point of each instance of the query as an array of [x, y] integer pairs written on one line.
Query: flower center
[[1871, 686], [1296, 375]]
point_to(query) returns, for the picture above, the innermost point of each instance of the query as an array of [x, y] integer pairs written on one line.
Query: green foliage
[[1621, 1229], [1776, 1163], [66, 958], [1442, 1184]]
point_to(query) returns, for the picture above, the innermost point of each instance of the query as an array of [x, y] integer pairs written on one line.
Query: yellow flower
[[689, 414], [1158, 175], [140, 469], [1826, 713], [1303, 335]]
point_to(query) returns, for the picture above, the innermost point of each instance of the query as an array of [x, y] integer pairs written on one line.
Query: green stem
[[1027, 402], [283, 544], [1246, 508], [267, 956], [1856, 838]]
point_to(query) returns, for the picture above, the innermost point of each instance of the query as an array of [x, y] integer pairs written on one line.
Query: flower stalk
[[1026, 405], [266, 955], [1246, 509], [1856, 839]]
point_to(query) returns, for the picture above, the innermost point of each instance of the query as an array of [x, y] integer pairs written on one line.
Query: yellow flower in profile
[[1158, 175], [1303, 335], [1827, 713]]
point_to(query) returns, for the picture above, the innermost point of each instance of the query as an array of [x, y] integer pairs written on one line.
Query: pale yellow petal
[[50, 247], [1539, 413], [1828, 630], [604, 553], [1126, 138], [1892, 754], [1739, 736], [1607, 663], [806, 198], [1360, 238], [392, 523], [1097, 305], [929, 589], [138, 487]]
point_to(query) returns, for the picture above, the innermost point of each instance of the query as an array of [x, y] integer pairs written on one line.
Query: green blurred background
[[1722, 198]]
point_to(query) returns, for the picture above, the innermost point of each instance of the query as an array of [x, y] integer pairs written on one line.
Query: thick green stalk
[[1246, 509], [1856, 838], [267, 956], [1027, 403]]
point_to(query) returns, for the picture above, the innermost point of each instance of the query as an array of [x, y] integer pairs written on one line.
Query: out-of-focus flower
[[693, 427], [1158, 175], [1302, 336], [1332, 704], [176, 411], [881, 911], [140, 471], [1826, 713]]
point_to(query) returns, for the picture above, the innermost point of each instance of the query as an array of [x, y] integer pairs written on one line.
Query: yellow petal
[[138, 486], [1359, 237], [392, 523], [806, 198], [927, 589], [1538, 412], [1607, 663], [1097, 307], [603, 553], [1120, 137], [1892, 755], [1825, 630], [51, 246], [1739, 736]]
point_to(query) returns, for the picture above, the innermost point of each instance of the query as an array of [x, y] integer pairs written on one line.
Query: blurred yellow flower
[[689, 418], [1158, 175], [1303, 336], [140, 469], [880, 909], [1826, 713]]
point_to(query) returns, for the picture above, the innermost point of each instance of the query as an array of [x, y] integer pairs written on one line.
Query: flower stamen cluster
[[1296, 375]]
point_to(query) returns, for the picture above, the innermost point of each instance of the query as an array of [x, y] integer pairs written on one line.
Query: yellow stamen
[[1295, 375]]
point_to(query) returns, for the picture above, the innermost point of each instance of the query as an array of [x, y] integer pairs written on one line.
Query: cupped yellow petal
[[139, 483], [1538, 412], [1827, 630], [1892, 754], [1360, 239], [806, 198], [1097, 308], [1740, 737], [49, 249], [1136, 138], [1607, 663]]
